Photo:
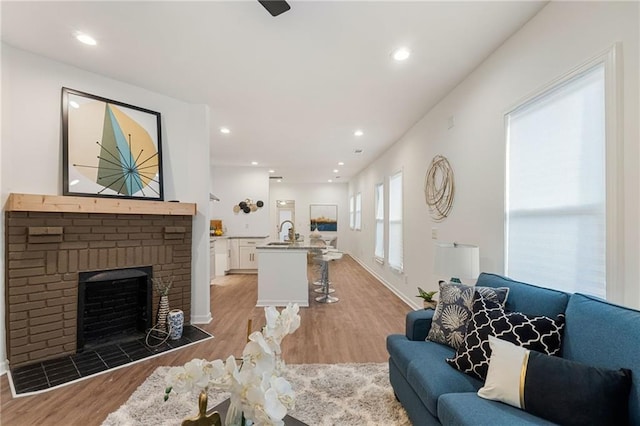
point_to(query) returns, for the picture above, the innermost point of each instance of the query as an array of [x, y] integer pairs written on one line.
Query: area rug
[[327, 394]]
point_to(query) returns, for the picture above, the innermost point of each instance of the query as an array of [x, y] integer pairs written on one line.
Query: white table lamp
[[457, 261]]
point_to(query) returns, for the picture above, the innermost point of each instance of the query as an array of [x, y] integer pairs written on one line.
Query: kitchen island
[[282, 274]]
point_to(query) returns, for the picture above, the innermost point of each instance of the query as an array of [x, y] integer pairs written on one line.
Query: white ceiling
[[293, 88]]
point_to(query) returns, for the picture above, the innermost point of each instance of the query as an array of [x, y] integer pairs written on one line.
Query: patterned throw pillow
[[538, 333], [449, 323]]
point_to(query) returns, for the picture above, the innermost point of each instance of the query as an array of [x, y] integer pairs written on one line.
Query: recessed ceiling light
[[86, 39], [401, 54], [272, 171], [254, 163], [340, 163], [279, 180], [358, 132], [74, 104], [225, 130], [335, 170], [329, 180]]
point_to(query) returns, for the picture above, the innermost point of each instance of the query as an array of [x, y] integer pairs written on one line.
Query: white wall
[[32, 148], [562, 36], [235, 184], [304, 195], [3, 353]]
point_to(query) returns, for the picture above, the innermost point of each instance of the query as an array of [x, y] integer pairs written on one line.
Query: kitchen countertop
[[235, 237], [295, 246]]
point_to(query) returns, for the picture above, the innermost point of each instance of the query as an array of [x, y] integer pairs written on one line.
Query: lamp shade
[[457, 260]]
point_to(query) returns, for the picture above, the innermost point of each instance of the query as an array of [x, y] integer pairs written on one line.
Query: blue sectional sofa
[[596, 333]]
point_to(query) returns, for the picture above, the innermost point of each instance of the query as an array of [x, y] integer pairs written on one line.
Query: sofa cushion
[[527, 298], [605, 335], [539, 333], [468, 409], [403, 351], [423, 366], [538, 384], [453, 311], [435, 378], [416, 410]]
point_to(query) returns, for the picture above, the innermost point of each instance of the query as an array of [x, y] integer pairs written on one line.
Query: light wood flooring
[[352, 330]]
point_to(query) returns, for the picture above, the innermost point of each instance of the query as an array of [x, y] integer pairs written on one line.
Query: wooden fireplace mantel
[[70, 204]]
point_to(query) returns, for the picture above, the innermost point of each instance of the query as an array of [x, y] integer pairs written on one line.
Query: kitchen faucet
[[292, 231]]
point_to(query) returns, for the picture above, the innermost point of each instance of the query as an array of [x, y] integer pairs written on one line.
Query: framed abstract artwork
[[324, 217], [110, 149]]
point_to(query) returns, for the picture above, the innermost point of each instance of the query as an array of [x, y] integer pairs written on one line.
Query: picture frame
[[110, 148], [324, 217]]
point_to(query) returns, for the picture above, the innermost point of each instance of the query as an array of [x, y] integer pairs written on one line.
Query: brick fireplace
[[51, 240]]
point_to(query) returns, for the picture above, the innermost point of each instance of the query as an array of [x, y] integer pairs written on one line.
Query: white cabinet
[[221, 256], [212, 260], [282, 277], [243, 254], [248, 257], [218, 257], [233, 254]]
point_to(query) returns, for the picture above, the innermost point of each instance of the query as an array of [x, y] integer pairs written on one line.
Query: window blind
[[379, 214], [352, 213], [395, 222], [358, 224], [555, 233]]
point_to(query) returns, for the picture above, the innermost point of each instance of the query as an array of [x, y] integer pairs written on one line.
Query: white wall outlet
[[451, 122], [434, 233]]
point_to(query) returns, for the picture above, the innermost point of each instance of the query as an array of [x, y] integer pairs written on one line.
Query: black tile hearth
[[47, 374]]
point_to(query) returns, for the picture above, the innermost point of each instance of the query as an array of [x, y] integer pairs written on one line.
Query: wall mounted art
[[248, 206], [324, 217], [439, 188], [110, 149]]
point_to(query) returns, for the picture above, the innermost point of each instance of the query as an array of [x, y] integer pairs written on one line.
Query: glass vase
[[234, 416]]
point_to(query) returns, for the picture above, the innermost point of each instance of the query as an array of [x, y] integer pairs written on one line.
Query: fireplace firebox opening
[[113, 305]]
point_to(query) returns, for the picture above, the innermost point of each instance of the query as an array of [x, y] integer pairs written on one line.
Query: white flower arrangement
[[255, 385]]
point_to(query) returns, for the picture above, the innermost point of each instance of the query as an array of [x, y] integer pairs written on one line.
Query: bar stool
[[315, 256], [327, 257]]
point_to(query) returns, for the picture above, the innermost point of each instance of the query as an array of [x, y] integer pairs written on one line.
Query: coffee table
[[224, 406]]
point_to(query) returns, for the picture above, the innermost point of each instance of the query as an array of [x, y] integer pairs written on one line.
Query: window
[[395, 222], [352, 213], [358, 224], [556, 187], [379, 213]]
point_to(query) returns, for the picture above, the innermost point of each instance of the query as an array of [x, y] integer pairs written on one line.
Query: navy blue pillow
[[574, 394]]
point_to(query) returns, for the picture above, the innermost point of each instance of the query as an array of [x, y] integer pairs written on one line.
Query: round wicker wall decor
[[439, 188]]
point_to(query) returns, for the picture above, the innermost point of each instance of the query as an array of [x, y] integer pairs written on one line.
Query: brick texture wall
[[45, 252]]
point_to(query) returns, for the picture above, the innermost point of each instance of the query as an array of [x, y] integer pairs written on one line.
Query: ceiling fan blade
[[275, 7]]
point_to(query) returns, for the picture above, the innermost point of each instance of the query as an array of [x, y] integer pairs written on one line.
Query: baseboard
[[409, 302], [201, 319], [4, 366]]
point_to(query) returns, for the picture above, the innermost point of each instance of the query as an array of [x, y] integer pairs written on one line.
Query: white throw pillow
[[506, 373]]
